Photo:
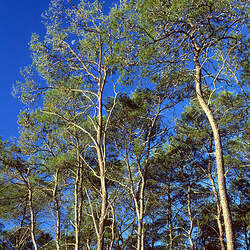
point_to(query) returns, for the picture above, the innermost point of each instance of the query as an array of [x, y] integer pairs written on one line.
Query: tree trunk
[[78, 196], [112, 226], [218, 217], [140, 232], [218, 207], [76, 208], [58, 215], [219, 158], [101, 163], [32, 216], [18, 244], [143, 175], [216, 195], [103, 208], [138, 203], [190, 218]]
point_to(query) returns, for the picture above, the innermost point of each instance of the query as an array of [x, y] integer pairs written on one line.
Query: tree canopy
[[134, 134]]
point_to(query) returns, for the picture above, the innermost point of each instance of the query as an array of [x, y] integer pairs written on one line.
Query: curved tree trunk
[[217, 199], [219, 158], [218, 217]]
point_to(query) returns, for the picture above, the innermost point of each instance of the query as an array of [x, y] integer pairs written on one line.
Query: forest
[[134, 133]]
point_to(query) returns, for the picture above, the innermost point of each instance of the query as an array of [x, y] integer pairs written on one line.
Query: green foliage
[[101, 90]]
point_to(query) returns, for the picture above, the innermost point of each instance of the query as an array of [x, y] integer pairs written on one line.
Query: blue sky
[[18, 20]]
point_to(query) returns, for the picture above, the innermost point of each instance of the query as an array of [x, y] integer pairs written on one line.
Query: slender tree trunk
[[137, 203], [218, 217], [139, 208], [219, 158], [76, 214], [88, 246], [143, 174], [76, 209], [32, 216], [20, 236], [112, 227], [216, 195], [103, 209], [218, 206], [140, 232], [101, 163], [58, 215], [190, 218], [81, 194], [58, 231]]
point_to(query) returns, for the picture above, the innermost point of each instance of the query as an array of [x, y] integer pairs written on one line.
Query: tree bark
[[137, 204], [78, 195], [32, 216], [218, 217], [103, 206], [219, 158], [76, 208], [140, 233], [18, 244], [58, 215], [101, 163], [216, 195], [190, 218]]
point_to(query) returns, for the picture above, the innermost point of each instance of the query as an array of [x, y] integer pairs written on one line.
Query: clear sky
[[18, 20]]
